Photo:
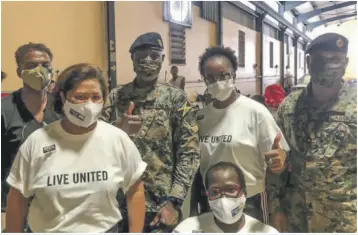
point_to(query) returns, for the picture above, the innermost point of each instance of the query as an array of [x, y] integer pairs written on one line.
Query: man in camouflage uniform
[[161, 122], [320, 124]]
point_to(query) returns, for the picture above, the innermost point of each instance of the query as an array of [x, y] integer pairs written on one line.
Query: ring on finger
[[270, 161]]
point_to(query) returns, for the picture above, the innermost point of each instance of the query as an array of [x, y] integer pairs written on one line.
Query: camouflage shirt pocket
[[155, 124], [336, 135]]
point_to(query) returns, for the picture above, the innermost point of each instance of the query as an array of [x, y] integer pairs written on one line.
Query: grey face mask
[[325, 72]]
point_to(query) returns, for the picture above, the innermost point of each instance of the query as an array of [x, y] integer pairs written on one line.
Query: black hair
[[260, 99], [227, 166], [75, 74], [22, 50], [218, 50], [174, 66]]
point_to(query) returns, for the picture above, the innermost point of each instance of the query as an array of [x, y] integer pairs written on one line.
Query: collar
[[132, 92]]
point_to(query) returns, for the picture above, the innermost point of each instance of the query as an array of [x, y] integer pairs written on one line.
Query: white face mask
[[228, 210], [221, 90], [84, 114]]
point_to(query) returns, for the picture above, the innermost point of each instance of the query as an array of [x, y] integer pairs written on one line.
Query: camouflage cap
[[148, 39], [329, 42]]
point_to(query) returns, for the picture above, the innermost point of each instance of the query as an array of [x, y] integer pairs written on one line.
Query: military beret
[[329, 42], [148, 39]]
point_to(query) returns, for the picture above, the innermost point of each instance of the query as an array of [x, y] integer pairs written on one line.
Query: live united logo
[[77, 114]]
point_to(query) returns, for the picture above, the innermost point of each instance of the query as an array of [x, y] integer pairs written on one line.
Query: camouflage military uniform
[[167, 139], [321, 195]]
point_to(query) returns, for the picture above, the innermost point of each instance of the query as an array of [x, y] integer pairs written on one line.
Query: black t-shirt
[[17, 123]]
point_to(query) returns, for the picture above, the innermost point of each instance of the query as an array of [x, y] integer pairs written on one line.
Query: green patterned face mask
[[37, 78]]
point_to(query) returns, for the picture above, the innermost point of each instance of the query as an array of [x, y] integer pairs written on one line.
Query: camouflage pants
[[149, 216], [314, 217]]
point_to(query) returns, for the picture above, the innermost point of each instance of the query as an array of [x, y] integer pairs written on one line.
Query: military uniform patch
[[184, 109], [160, 43], [198, 231], [340, 43]]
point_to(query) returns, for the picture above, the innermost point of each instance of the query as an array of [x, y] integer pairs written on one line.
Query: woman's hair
[[218, 50], [226, 166], [74, 74]]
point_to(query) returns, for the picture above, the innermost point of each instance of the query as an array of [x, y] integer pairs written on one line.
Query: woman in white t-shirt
[[226, 191], [237, 129], [74, 167]]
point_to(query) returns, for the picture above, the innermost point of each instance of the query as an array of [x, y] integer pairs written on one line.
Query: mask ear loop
[[23, 131]]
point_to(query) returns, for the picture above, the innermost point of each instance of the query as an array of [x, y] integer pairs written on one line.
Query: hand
[[167, 215], [278, 221], [130, 123], [275, 158]]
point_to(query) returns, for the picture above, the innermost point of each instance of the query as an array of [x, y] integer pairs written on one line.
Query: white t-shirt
[[75, 178], [205, 223], [241, 134]]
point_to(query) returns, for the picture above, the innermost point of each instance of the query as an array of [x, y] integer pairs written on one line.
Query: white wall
[[245, 81], [271, 74], [300, 69]]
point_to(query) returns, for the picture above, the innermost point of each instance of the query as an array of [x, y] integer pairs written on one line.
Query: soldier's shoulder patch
[[198, 231], [184, 109]]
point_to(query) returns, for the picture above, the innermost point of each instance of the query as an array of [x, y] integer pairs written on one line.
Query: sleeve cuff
[[178, 191], [18, 186], [136, 176]]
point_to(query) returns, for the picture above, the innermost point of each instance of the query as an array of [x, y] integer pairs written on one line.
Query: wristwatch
[[177, 203]]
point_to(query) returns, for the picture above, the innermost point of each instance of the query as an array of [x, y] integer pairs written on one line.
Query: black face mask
[[326, 72]]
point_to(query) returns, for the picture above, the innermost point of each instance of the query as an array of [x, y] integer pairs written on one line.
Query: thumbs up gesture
[[130, 123], [276, 158]]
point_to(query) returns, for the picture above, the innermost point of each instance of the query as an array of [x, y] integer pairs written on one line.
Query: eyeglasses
[[142, 54], [229, 191], [210, 79]]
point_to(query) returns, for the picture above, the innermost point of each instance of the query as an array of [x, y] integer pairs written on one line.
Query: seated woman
[[74, 167], [226, 191]]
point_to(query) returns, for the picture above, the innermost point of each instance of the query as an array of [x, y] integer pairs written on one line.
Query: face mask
[[326, 73], [83, 115], [37, 78], [228, 210], [147, 70], [221, 90]]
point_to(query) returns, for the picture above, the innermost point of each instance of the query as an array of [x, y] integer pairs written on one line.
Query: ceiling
[[315, 14]]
